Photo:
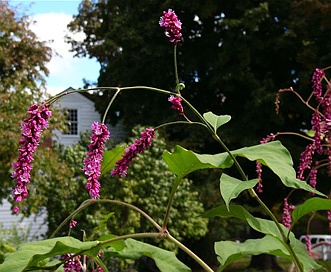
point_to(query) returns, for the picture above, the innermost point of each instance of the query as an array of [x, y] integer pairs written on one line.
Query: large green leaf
[[267, 227], [35, 254], [110, 158], [165, 260], [216, 120], [229, 252], [182, 161], [232, 187], [273, 155], [310, 205], [259, 224]]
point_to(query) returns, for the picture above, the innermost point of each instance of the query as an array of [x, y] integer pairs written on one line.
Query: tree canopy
[[23, 60], [233, 59]]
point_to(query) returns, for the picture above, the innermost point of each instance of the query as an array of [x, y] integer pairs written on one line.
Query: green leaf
[[273, 155], [216, 120], [261, 225], [232, 187], [117, 245], [267, 227], [310, 205], [310, 133], [165, 260], [35, 254], [110, 158], [229, 252], [182, 161]]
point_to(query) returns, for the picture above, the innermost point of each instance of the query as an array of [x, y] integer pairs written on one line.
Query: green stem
[[171, 199], [244, 177], [190, 253], [133, 236], [89, 202], [180, 122], [176, 68], [284, 236], [110, 103], [56, 97]]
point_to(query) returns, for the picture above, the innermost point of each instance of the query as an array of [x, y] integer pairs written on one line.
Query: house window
[[73, 122]]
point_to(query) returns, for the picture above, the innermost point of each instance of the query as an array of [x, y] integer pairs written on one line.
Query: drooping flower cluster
[[132, 151], [259, 186], [31, 128], [308, 244], [72, 264], [287, 211], [72, 224], [176, 104], [172, 25], [92, 164], [321, 127], [317, 84]]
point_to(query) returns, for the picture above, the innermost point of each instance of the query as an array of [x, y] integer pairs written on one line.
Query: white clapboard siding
[[86, 116], [34, 225]]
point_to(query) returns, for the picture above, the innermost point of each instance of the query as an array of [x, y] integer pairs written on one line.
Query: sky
[[52, 17]]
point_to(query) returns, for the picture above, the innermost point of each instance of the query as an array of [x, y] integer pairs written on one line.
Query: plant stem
[[89, 202], [171, 199], [190, 253], [244, 177], [176, 68], [110, 103]]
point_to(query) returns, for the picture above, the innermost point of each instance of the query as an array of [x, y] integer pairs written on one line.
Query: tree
[[22, 70], [234, 57]]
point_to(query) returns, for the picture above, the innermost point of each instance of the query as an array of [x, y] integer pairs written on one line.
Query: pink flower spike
[[176, 104], [72, 264], [31, 128], [133, 151], [16, 209], [172, 25], [287, 211], [92, 163], [72, 224], [317, 84]]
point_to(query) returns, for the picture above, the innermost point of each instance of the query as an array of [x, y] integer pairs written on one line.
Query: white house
[[81, 115]]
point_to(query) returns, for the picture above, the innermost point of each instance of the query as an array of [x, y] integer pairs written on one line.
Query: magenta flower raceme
[[306, 159], [317, 84], [72, 264], [259, 186], [172, 25], [313, 177], [287, 211], [92, 163], [176, 104], [308, 244], [32, 128], [132, 151], [72, 224]]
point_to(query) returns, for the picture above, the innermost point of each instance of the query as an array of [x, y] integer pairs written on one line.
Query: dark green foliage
[[241, 51]]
